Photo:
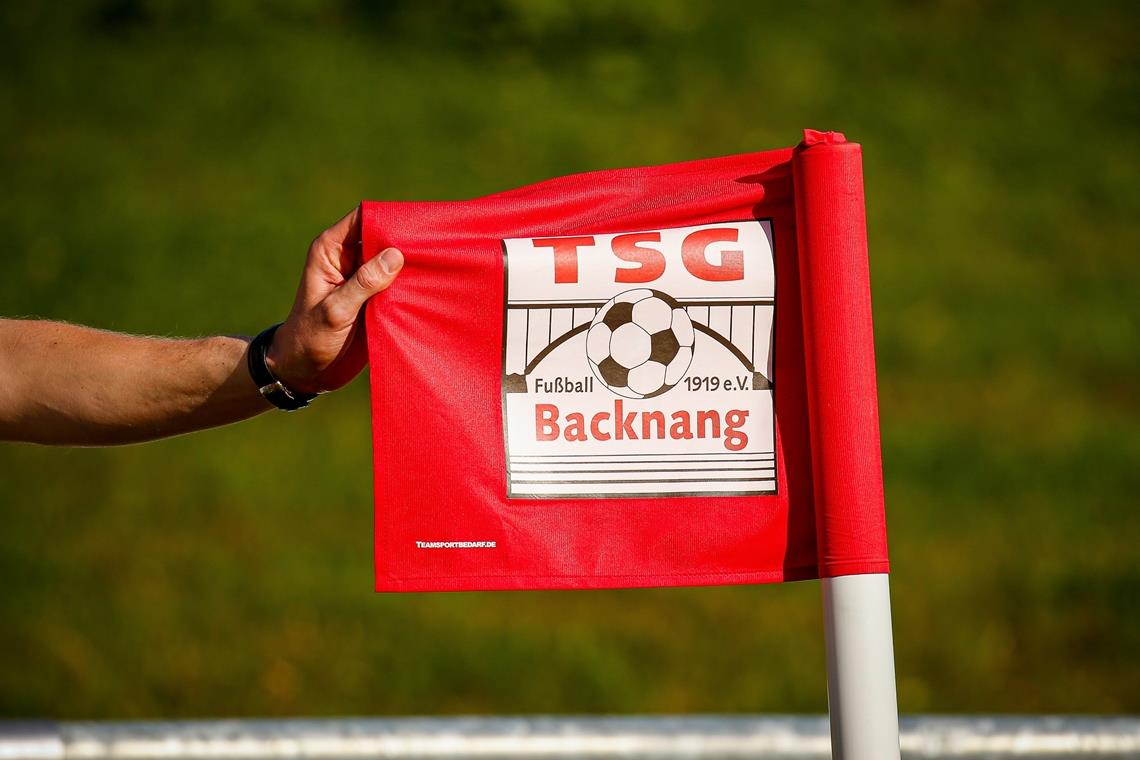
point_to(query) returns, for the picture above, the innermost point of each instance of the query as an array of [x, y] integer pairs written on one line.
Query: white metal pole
[[860, 668]]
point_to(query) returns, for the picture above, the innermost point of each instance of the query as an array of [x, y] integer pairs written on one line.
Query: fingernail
[[391, 260]]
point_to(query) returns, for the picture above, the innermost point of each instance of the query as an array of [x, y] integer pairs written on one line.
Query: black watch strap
[[274, 391]]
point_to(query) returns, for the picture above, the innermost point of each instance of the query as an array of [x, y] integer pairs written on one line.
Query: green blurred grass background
[[165, 165]]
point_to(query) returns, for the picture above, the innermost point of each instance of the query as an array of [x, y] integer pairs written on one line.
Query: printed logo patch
[[639, 363]]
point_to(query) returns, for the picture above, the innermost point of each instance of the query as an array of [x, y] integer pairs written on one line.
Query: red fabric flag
[[657, 376]]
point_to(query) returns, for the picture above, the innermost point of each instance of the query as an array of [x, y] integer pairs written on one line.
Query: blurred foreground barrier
[[785, 738]]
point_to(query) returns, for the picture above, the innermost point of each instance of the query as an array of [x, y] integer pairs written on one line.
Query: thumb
[[372, 277]]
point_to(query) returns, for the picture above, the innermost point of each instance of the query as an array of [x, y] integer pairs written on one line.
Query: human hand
[[321, 347]]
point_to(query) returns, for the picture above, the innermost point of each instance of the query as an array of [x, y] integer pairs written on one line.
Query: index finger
[[339, 245], [347, 230]]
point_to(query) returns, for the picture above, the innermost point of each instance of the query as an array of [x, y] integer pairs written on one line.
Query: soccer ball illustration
[[641, 343]]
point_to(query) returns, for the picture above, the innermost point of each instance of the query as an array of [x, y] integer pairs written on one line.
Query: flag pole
[[831, 229], [860, 667]]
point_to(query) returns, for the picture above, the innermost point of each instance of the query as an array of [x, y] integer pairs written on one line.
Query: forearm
[[66, 384]]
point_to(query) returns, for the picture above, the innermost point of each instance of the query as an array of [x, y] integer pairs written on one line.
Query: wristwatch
[[272, 389]]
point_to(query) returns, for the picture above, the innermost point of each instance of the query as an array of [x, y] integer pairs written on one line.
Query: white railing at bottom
[[692, 738]]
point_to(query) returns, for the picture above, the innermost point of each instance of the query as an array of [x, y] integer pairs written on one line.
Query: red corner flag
[[641, 377]]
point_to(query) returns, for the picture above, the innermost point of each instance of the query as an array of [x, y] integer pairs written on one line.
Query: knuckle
[[329, 313], [321, 242], [369, 278]]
